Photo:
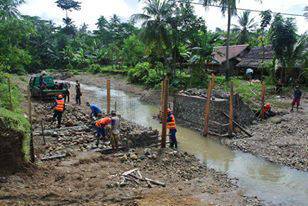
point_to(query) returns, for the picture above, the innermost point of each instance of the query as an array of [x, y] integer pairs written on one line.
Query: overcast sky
[[91, 10]]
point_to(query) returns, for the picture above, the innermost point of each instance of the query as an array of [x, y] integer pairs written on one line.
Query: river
[[274, 184]]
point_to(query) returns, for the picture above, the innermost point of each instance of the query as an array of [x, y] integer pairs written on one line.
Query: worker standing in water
[[59, 108], [101, 128], [172, 129]]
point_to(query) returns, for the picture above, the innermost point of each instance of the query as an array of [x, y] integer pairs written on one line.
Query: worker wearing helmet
[[172, 129], [58, 107]]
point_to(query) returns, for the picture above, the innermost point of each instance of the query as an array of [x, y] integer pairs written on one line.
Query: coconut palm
[[8, 8], [228, 6], [244, 27], [155, 21]]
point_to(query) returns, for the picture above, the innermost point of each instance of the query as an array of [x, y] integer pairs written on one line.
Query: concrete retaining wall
[[189, 110]]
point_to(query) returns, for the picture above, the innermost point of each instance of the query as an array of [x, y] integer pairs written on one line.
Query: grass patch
[[17, 122]]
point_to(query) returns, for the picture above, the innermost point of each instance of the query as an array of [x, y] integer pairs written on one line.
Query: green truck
[[45, 87]]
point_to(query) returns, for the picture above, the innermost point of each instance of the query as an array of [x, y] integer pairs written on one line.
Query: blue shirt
[[95, 109]]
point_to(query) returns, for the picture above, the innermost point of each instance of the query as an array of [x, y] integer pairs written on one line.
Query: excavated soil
[[87, 177]]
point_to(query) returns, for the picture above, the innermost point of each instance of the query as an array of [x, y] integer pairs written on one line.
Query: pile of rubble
[[78, 133], [281, 139], [203, 93]]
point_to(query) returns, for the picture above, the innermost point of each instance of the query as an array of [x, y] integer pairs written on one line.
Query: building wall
[[189, 110]]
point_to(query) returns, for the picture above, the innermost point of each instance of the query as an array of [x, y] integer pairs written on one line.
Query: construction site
[[69, 168], [153, 103]]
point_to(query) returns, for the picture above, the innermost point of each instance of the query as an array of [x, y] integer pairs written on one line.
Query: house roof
[[219, 53], [253, 58]]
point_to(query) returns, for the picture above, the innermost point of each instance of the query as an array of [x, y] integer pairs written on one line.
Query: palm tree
[[230, 7], [244, 27], [8, 8], [155, 22]]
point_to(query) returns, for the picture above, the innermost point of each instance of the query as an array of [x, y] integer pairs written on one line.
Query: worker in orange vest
[[101, 128], [59, 108], [172, 129]]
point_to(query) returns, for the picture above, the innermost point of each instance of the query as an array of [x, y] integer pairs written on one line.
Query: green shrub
[[138, 73]]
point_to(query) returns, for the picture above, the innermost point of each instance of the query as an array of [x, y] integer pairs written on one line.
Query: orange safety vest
[[171, 124], [102, 122], [60, 105]]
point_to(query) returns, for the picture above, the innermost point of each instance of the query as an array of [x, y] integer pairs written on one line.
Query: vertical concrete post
[[231, 110], [164, 117], [108, 96], [207, 105], [263, 91]]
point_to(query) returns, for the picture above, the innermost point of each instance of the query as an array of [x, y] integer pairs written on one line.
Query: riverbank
[[84, 176], [282, 140]]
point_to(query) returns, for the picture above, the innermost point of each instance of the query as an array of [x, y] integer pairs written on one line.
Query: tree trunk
[[228, 69], [263, 55]]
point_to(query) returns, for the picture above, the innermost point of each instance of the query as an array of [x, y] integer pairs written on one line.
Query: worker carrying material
[[59, 108], [101, 128], [172, 129], [95, 110], [115, 130]]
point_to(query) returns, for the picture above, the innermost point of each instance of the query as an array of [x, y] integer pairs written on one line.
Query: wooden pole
[[231, 110], [165, 108], [161, 100], [32, 156], [43, 133], [108, 96], [207, 105], [10, 94], [263, 99], [115, 105]]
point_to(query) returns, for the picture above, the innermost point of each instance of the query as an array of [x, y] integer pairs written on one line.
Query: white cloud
[[93, 9]]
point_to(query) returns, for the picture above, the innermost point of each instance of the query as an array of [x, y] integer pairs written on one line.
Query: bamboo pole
[[10, 94], [207, 105], [165, 108], [32, 156], [108, 96], [263, 99], [231, 110]]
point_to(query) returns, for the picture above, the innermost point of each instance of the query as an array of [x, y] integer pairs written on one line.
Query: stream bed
[[274, 184]]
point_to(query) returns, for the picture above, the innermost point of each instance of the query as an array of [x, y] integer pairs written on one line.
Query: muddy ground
[[84, 176], [282, 139]]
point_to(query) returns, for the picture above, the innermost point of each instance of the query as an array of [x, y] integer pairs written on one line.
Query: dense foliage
[[172, 40]]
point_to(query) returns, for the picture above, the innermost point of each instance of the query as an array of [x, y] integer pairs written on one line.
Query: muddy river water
[[274, 184]]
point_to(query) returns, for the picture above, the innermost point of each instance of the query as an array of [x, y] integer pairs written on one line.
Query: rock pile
[[78, 132]]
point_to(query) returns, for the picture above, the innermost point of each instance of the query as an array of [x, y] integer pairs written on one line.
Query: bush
[[95, 69], [138, 73]]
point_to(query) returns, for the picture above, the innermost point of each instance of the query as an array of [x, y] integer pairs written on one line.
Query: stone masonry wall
[[190, 111]]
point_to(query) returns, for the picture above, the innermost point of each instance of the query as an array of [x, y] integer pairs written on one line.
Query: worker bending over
[[95, 110], [101, 128], [172, 129], [58, 107], [267, 111], [115, 125]]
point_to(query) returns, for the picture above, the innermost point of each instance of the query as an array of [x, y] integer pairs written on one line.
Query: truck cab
[[45, 87]]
